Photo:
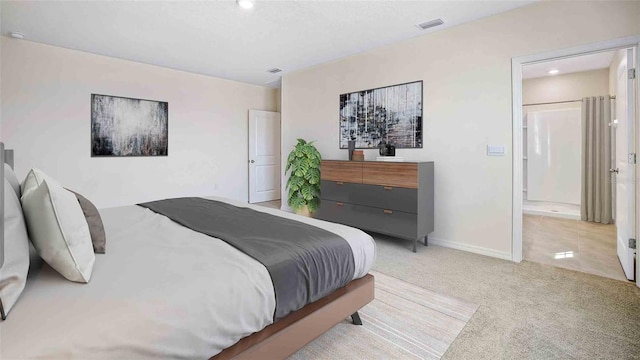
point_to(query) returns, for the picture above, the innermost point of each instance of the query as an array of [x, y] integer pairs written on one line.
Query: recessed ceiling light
[[245, 4], [553, 71], [16, 35]]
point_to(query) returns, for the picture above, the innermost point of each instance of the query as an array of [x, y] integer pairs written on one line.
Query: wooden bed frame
[[286, 336]]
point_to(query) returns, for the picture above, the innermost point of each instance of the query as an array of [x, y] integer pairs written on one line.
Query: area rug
[[404, 321]]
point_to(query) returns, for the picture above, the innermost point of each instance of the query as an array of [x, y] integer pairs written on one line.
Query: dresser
[[385, 197]]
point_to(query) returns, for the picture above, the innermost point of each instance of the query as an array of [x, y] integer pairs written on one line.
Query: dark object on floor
[[355, 317]]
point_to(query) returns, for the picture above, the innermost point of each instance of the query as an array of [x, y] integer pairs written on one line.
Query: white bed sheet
[[160, 291]]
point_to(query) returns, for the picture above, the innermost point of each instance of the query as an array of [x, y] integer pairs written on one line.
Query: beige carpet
[[403, 322], [527, 310]]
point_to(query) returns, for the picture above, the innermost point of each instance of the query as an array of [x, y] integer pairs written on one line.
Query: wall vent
[[274, 70], [429, 24]]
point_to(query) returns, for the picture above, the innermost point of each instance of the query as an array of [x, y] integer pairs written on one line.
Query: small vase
[[352, 147]]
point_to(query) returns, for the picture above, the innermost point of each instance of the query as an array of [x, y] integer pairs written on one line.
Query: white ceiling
[[220, 39], [569, 65]]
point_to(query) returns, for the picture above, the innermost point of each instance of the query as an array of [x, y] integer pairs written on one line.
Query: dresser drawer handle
[[339, 183], [340, 204], [388, 212], [388, 188]]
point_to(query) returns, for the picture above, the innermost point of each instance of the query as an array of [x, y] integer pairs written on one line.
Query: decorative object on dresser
[[304, 183], [358, 155], [384, 197], [386, 149], [390, 158], [351, 147], [391, 114], [128, 127]]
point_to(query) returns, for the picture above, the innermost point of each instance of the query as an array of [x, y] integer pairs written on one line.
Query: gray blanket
[[306, 263]]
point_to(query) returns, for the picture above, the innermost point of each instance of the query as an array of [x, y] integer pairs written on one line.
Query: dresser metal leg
[[355, 318], [426, 240]]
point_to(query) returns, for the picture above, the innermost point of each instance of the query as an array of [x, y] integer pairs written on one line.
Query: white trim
[[505, 255], [517, 153], [637, 142], [558, 215]]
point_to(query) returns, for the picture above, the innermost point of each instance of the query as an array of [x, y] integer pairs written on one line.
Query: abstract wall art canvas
[[128, 127], [391, 115]]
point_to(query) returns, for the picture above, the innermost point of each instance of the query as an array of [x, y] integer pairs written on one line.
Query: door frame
[[517, 135]]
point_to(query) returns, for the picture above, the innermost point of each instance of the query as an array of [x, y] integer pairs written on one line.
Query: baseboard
[[550, 214], [470, 248]]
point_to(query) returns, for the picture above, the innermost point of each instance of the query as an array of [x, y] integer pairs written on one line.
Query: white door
[[264, 156], [625, 179]]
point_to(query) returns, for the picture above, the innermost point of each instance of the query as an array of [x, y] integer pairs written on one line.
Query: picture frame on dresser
[[391, 198]]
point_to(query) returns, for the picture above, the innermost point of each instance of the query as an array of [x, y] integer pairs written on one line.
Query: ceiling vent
[[429, 24], [274, 70]]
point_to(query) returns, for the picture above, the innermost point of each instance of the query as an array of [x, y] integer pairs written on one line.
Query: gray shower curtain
[[596, 160]]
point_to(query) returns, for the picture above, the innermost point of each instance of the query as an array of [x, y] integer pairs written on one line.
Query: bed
[[163, 290]]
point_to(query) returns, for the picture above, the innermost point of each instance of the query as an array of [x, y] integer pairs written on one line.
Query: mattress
[[161, 290]]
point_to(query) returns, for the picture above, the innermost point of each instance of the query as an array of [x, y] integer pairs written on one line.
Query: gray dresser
[[384, 197]]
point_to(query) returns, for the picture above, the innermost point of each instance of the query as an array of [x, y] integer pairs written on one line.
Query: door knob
[[252, 161], [616, 170]]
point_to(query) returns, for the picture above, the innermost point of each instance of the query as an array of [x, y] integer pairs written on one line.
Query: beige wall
[[46, 119], [565, 87], [467, 104]]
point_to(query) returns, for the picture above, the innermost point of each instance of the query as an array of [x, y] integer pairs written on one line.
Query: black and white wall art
[[391, 114], [128, 127]]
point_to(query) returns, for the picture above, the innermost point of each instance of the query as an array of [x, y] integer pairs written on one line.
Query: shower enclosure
[[552, 149], [553, 159]]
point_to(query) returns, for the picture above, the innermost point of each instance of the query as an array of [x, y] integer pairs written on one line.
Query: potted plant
[[304, 183]]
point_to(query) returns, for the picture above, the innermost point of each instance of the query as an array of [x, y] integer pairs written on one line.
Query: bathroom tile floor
[[572, 244], [551, 209]]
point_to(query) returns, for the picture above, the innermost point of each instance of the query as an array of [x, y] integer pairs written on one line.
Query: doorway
[[264, 158], [569, 210]]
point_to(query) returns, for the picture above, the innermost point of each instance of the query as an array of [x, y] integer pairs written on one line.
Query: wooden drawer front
[[345, 171], [395, 223], [386, 197], [391, 174]]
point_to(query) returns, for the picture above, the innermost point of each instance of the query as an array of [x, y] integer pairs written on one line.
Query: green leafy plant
[[304, 183]]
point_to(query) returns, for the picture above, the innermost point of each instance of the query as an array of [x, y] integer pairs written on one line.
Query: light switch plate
[[496, 150]]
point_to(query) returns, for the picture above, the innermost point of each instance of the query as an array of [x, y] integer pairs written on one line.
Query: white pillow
[[57, 227], [13, 273], [10, 176], [33, 179]]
